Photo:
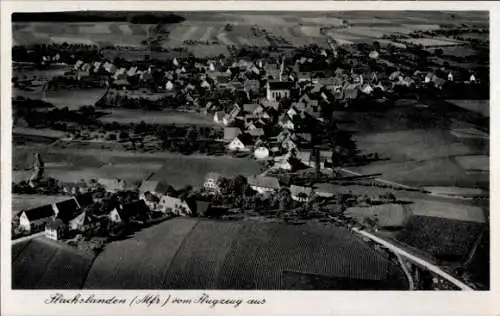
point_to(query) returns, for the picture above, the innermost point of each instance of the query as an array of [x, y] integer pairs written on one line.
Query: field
[[140, 262], [297, 29], [417, 145], [178, 170], [431, 42], [194, 254], [479, 106], [444, 239], [74, 98], [71, 166], [199, 260], [103, 33], [474, 163], [447, 210], [123, 116], [44, 264], [183, 170], [388, 215]]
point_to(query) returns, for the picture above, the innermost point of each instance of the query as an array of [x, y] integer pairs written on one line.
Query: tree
[[238, 185], [438, 52]]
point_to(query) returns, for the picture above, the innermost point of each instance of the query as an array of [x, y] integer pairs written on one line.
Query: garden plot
[[74, 98]]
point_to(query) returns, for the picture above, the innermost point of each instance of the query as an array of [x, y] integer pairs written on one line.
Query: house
[[256, 132], [153, 187], [300, 193], [169, 204], [263, 184], [84, 200], [112, 185], [79, 222], [450, 76], [304, 137], [288, 144], [114, 216], [169, 85], [211, 182], [366, 88], [231, 133], [219, 117], [250, 108], [277, 90], [66, 210], [286, 122], [55, 229], [36, 218], [242, 142], [137, 210], [251, 85]]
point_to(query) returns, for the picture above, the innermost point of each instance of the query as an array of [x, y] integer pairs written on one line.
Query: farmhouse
[[241, 143], [169, 204], [79, 222], [250, 108], [55, 229], [211, 182], [231, 132], [114, 216], [263, 184], [286, 122], [112, 185], [219, 117], [255, 132], [84, 200], [300, 193], [277, 90], [137, 210], [252, 85], [65, 209], [36, 218]]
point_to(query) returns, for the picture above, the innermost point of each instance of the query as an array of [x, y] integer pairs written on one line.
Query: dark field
[[195, 254]]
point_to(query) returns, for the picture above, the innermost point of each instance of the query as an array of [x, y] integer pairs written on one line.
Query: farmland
[[298, 30], [447, 210], [123, 116], [388, 215], [74, 98], [445, 239], [227, 255], [74, 164], [43, 264], [479, 106]]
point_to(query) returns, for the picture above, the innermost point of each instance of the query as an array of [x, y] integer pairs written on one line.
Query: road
[[399, 251]]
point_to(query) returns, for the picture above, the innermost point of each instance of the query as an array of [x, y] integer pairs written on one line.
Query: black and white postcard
[[239, 153]]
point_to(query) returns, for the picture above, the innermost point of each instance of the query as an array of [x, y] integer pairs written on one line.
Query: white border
[[278, 303]]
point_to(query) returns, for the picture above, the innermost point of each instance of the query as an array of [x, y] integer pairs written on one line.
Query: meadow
[[125, 116]]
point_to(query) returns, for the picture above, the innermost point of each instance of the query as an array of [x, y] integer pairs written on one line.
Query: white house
[[450, 76], [114, 216], [169, 85], [285, 122], [211, 181], [263, 184], [240, 143], [219, 117], [36, 218], [78, 223], [55, 229], [300, 193]]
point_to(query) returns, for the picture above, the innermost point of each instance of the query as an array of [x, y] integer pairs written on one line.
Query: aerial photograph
[[251, 150]]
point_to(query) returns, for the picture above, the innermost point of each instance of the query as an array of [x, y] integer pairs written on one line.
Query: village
[[277, 108]]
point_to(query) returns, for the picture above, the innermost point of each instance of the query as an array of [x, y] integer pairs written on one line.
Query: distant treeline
[[98, 16]]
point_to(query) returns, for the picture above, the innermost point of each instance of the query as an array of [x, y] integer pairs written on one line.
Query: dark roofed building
[[277, 90], [136, 210], [67, 210], [36, 217], [84, 200]]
